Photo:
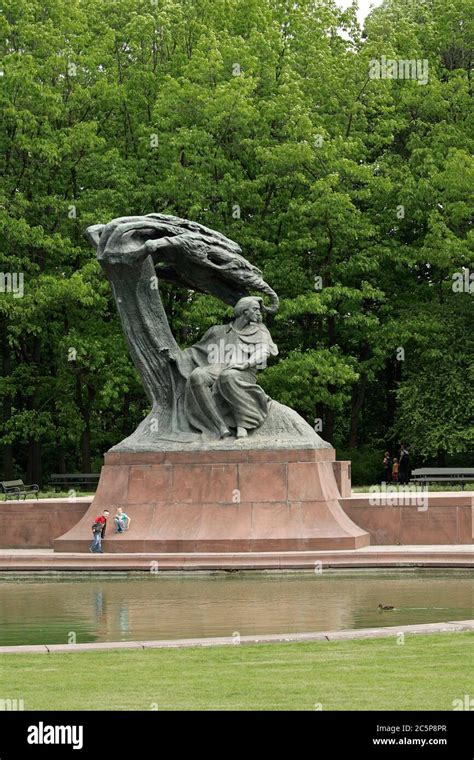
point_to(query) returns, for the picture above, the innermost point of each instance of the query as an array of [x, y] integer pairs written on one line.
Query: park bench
[[452, 475], [16, 489], [75, 480]]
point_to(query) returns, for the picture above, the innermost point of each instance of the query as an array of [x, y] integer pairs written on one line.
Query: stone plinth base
[[220, 501], [443, 518], [35, 524]]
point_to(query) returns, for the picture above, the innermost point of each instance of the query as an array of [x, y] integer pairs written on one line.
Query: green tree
[[259, 118]]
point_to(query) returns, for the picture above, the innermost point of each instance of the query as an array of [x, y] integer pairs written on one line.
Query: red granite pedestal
[[221, 501]]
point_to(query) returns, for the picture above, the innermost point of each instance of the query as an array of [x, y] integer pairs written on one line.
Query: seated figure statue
[[204, 396], [221, 369]]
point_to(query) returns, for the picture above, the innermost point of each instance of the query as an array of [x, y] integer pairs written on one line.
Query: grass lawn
[[424, 673]]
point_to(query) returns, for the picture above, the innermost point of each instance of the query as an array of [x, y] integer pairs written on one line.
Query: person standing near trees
[[404, 465], [387, 468]]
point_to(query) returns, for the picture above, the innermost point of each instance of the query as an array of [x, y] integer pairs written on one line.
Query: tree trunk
[[125, 415], [61, 459], [7, 448], [86, 448], [7, 461], [84, 408], [358, 396], [328, 431], [34, 468], [34, 474]]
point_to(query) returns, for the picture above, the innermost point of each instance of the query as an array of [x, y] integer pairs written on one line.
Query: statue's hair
[[244, 303]]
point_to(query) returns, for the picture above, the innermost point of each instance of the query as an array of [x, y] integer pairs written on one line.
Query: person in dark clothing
[[98, 532], [404, 465], [387, 468]]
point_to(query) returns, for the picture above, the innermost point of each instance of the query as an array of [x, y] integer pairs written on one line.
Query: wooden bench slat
[[466, 478], [450, 475], [444, 471], [75, 479]]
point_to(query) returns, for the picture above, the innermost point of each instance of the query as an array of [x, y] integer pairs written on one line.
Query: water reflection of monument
[[124, 620], [111, 614], [99, 604], [165, 607]]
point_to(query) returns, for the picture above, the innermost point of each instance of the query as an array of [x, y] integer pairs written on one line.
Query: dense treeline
[[269, 121]]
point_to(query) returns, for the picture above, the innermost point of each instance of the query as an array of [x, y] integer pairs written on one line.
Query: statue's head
[[250, 307]]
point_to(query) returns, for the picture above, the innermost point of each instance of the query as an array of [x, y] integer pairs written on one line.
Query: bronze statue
[[205, 395]]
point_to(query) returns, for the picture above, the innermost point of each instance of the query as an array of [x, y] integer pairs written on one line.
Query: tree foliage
[[258, 118]]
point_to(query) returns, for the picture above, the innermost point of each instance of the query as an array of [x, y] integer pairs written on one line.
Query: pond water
[[46, 608]]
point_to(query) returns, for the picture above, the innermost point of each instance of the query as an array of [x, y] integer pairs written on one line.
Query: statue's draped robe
[[217, 394]]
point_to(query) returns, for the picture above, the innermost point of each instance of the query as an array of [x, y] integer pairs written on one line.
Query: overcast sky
[[364, 6]]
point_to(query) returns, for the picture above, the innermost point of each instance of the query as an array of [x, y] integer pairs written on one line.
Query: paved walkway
[[458, 626], [459, 555]]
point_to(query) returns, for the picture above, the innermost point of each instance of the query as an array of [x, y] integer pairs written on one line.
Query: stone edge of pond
[[458, 626], [375, 556]]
